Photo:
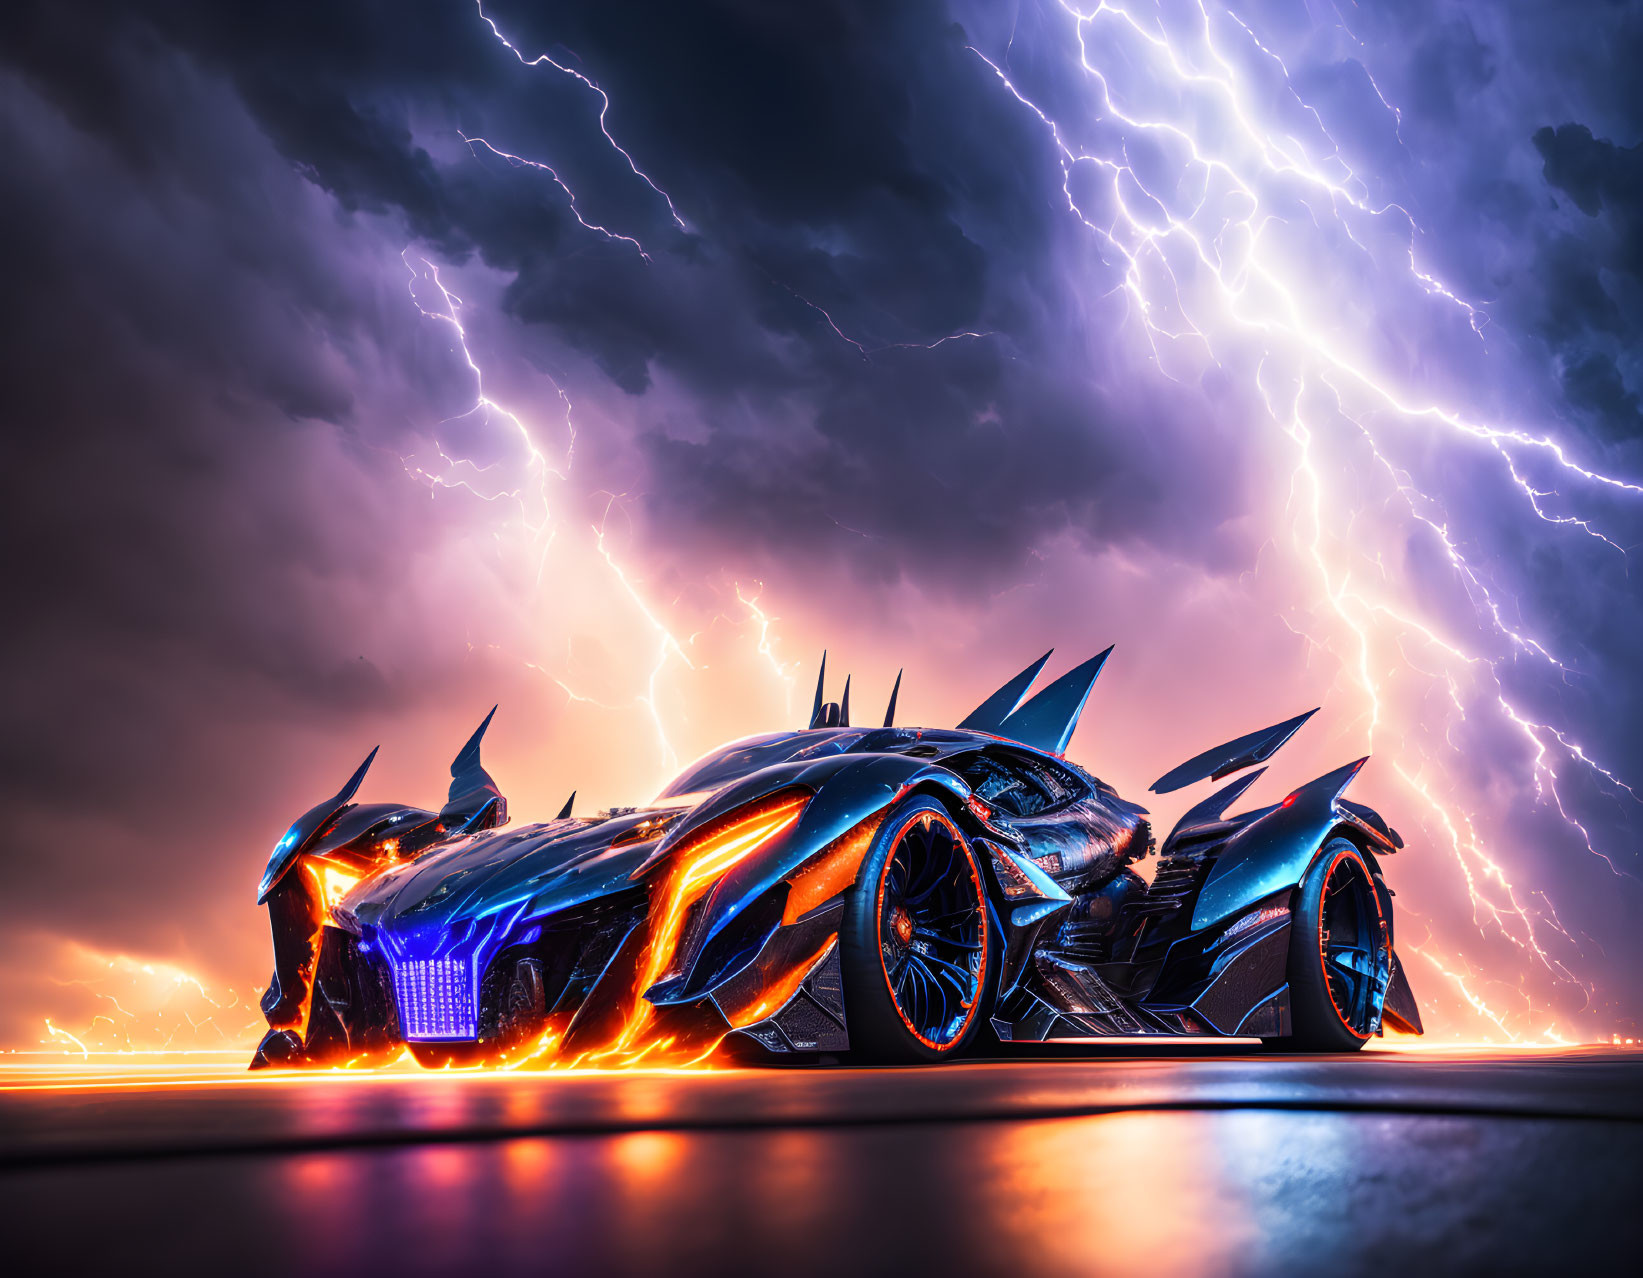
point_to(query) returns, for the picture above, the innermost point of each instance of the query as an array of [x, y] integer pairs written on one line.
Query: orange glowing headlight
[[714, 856], [332, 883], [703, 859]]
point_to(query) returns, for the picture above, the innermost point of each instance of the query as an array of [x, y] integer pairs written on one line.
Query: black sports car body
[[897, 894]]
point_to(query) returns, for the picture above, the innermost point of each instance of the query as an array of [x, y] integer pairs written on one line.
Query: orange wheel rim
[[1352, 944], [932, 935]]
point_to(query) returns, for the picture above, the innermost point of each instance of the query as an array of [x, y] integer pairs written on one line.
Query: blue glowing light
[[437, 999]]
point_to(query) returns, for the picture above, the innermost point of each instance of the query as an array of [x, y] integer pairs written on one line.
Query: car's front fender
[[848, 790]]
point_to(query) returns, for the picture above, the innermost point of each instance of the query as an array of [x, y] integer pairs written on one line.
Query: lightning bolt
[[1197, 242], [766, 647], [530, 494], [520, 162], [543, 60]]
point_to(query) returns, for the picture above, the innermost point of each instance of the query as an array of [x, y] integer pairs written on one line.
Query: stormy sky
[[371, 363]]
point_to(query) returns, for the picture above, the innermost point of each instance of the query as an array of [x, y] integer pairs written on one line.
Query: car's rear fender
[[1272, 852]]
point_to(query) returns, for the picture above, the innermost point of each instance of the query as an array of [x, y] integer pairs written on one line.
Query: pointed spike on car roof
[[1047, 721], [467, 773], [821, 683], [468, 756], [347, 792], [890, 711], [991, 713], [564, 812], [844, 704], [1232, 756]]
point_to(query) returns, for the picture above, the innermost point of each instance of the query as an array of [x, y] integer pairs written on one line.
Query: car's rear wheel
[[1339, 954], [917, 952]]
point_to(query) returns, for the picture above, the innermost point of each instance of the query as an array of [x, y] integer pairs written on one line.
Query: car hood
[[527, 873]]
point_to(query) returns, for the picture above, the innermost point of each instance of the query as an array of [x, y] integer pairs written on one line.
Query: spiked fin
[[844, 704], [564, 812], [890, 713], [348, 791], [475, 802], [1047, 721], [467, 773], [821, 683], [1210, 809], [1233, 756], [989, 716], [305, 827]]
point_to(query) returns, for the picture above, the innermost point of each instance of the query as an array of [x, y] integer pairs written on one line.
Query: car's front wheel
[[1340, 954], [917, 952]]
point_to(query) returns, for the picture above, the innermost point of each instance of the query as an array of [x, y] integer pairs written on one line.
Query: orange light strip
[[694, 868], [331, 883]]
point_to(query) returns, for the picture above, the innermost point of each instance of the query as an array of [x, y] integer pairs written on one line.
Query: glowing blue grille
[[436, 998]]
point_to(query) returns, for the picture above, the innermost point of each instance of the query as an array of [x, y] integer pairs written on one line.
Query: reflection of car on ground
[[897, 894]]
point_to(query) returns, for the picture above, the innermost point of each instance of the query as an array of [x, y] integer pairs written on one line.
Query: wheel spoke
[[932, 883], [942, 965], [1353, 945], [936, 938], [936, 992], [935, 877]]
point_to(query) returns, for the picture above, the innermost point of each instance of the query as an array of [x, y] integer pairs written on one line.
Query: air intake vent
[[1175, 882], [436, 999]]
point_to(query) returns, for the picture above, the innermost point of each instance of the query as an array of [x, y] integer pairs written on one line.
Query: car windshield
[[739, 758], [734, 760]]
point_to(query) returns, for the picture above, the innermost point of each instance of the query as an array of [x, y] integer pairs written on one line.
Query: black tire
[[1339, 954], [919, 959]]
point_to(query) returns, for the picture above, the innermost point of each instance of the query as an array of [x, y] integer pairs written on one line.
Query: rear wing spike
[[890, 712], [990, 715], [821, 685], [1047, 721], [1231, 756]]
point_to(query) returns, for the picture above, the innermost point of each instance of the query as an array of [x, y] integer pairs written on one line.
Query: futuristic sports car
[[897, 894]]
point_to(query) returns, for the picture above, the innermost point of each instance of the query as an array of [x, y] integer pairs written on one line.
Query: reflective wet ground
[[1130, 1162]]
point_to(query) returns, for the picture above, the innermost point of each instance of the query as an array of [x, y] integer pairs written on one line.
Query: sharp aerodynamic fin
[[564, 812], [1233, 756], [1330, 786], [821, 683], [305, 827], [1047, 721], [472, 788], [989, 716], [1210, 809], [467, 773], [890, 711], [346, 794], [844, 704]]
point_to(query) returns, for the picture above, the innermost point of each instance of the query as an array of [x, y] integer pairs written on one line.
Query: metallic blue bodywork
[[455, 908], [1272, 851], [295, 841]]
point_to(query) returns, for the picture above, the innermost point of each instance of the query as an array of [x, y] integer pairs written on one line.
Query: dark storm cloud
[[1601, 300], [831, 158], [213, 367], [203, 518]]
